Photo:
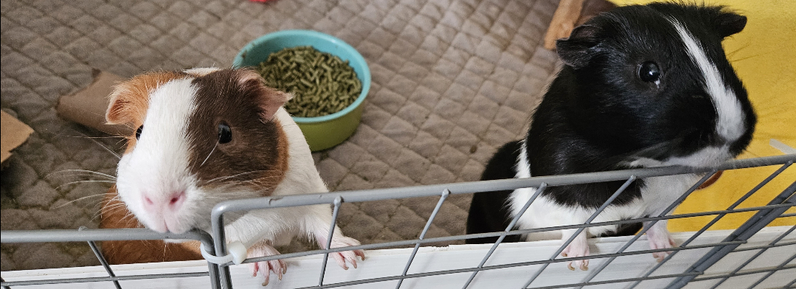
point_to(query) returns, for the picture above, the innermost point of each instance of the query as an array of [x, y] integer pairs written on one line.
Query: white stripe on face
[[158, 166], [729, 124], [170, 107]]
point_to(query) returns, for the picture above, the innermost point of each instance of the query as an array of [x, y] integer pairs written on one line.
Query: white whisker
[[111, 177], [79, 199], [103, 146], [208, 155], [232, 176], [86, 181]]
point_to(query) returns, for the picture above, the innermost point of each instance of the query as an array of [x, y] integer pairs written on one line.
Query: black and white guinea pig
[[207, 135], [641, 86]]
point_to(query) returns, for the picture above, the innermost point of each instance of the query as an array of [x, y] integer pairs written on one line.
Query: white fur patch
[[281, 225], [656, 195], [730, 123], [523, 167], [544, 212], [158, 166]]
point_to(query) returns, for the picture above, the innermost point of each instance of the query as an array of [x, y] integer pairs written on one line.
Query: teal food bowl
[[321, 132]]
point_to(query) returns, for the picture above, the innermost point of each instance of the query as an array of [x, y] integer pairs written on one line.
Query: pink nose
[[170, 203]]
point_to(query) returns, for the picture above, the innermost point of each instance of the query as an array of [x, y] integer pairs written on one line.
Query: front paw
[[660, 241], [266, 267], [577, 248], [344, 257]]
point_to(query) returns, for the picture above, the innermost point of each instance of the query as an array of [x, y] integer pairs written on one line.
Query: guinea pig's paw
[[660, 240], [578, 248], [266, 267], [346, 256]]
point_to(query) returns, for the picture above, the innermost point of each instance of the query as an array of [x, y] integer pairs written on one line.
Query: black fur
[[599, 115], [483, 217]]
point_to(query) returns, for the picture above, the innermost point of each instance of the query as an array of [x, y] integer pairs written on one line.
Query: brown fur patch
[[116, 216], [256, 157]]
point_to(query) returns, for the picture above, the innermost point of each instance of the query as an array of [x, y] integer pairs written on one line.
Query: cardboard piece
[[570, 14], [14, 133], [563, 22], [88, 106]]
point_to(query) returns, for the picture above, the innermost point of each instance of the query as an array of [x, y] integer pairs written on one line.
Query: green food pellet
[[321, 83]]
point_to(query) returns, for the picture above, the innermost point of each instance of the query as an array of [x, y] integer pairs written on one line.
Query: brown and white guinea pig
[[207, 135], [641, 86]]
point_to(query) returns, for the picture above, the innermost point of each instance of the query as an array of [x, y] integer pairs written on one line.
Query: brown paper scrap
[[14, 133], [88, 106]]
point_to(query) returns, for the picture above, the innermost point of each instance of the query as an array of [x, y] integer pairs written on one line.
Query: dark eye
[[649, 72], [138, 132], [224, 133]]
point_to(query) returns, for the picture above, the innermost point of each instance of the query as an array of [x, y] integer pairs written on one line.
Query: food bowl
[[326, 131]]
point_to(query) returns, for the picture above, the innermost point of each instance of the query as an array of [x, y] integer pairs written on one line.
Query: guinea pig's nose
[[148, 201], [176, 200], [171, 202]]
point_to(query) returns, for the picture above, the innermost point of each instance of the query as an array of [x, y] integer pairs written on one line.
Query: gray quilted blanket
[[452, 81]]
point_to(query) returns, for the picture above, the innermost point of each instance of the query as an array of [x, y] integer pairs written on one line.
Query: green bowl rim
[[355, 57]]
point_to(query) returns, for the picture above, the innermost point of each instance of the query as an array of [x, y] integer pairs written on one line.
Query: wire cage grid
[[219, 274]]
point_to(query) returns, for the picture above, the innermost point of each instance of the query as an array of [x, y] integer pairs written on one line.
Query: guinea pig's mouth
[[168, 224], [706, 157], [692, 148]]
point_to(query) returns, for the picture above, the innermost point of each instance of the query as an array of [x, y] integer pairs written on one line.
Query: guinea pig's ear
[[729, 23], [270, 99], [273, 100], [577, 50], [115, 113], [126, 102]]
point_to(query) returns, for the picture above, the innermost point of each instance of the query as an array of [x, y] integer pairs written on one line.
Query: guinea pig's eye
[[224, 133], [138, 132], [649, 72]]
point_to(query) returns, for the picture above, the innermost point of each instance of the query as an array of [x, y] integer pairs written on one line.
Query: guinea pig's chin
[[166, 225], [157, 227], [705, 158]]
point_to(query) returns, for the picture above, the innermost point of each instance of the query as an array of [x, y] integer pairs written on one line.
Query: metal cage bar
[[337, 203], [759, 252], [394, 244], [503, 235], [749, 272], [531, 263], [91, 235], [431, 218], [219, 273], [101, 279], [716, 219], [102, 260], [579, 230], [746, 230], [649, 225]]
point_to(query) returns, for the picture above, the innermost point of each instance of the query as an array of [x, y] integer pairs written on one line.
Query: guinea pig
[[641, 86], [206, 135]]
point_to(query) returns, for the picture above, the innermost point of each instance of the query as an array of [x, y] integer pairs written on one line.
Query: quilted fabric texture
[[452, 82]]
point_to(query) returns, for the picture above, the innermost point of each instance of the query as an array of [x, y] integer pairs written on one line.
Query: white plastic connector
[[237, 253]]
